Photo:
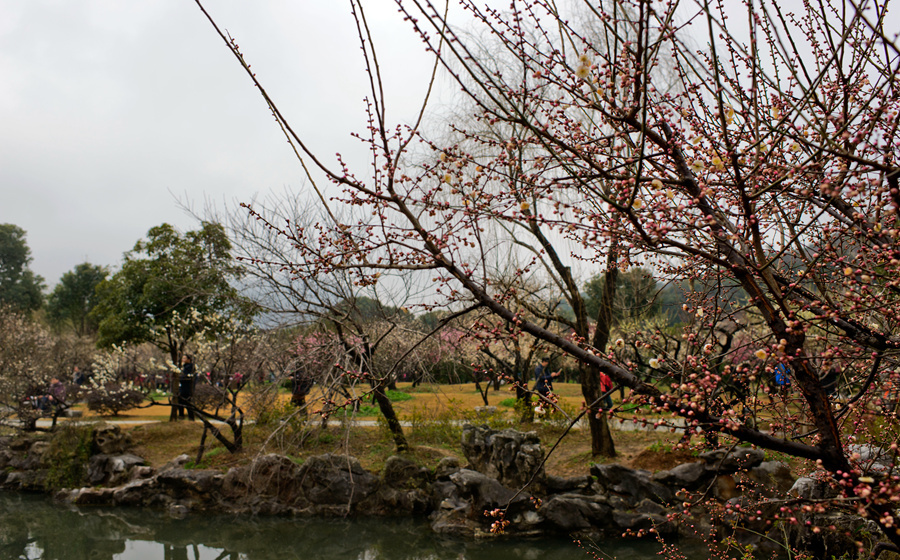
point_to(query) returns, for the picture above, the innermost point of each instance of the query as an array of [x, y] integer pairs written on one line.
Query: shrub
[[258, 402], [368, 410], [112, 398], [266, 409], [660, 447], [67, 457], [444, 427], [561, 418], [425, 388], [289, 425], [204, 464], [208, 397]]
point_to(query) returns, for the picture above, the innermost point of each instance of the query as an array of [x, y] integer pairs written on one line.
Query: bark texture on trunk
[[390, 415]]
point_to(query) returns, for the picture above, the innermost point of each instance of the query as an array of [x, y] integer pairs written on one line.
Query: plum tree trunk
[[390, 415], [601, 436]]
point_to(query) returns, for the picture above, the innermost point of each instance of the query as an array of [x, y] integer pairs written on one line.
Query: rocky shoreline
[[504, 474]]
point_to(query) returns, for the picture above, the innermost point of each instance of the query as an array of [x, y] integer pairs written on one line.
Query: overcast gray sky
[[112, 111]]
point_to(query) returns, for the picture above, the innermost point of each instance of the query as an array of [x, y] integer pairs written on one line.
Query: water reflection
[[33, 529]]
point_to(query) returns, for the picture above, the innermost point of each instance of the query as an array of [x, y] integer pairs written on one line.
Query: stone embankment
[[504, 473]]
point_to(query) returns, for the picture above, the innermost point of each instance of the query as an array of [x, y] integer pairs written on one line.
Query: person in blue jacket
[[543, 377], [782, 379]]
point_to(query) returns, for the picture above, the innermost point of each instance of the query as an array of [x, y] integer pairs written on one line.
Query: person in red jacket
[[606, 387]]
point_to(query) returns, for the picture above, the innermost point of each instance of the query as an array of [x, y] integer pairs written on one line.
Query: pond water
[[32, 528]]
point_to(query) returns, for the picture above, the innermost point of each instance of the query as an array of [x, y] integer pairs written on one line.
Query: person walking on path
[[544, 378]]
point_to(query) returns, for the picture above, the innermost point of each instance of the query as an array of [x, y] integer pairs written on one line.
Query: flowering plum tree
[[343, 318], [25, 367], [230, 354], [500, 349], [769, 165], [225, 349]]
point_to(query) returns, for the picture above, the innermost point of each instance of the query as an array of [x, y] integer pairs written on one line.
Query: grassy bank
[[372, 445], [433, 414]]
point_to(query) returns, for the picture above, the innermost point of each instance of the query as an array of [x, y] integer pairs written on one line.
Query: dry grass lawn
[[428, 399]]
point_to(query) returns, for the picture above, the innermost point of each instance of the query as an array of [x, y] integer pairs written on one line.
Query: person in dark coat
[[78, 376], [186, 388], [544, 378]]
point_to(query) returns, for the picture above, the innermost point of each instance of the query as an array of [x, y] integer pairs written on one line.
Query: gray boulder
[[770, 477], [466, 499], [19, 443], [38, 449], [722, 461], [88, 496], [838, 537], [395, 501], [29, 459], [111, 469], [690, 476], [812, 489], [176, 463], [649, 506], [513, 458], [638, 524], [400, 472], [631, 485], [576, 484], [482, 492], [406, 488], [575, 512], [190, 483], [6, 456], [336, 483], [140, 492], [270, 484], [108, 439], [452, 518], [873, 460], [30, 480], [446, 467]]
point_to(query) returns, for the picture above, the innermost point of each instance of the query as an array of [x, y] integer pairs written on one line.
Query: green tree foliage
[[636, 294], [19, 286], [672, 298], [171, 287], [74, 297], [639, 295], [366, 309]]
